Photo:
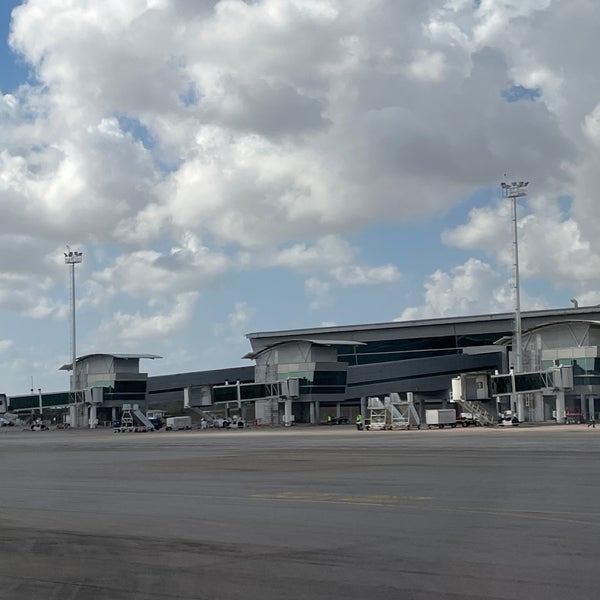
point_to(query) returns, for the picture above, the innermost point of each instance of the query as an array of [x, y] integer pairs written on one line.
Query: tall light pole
[[512, 191], [72, 259]]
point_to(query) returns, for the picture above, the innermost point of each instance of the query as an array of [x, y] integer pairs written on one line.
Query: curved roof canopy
[[69, 366], [507, 339], [253, 355]]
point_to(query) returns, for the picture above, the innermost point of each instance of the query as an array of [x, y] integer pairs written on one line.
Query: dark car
[[157, 423]]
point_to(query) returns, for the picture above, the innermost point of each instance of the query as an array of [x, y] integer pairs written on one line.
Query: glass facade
[[126, 391], [392, 350], [318, 381]]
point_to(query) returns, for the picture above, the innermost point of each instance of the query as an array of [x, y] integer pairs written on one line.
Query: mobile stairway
[[478, 410], [133, 420], [391, 413]]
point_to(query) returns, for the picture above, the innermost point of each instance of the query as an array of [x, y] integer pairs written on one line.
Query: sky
[[230, 166]]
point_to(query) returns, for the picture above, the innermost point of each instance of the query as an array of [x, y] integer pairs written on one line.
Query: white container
[[440, 417], [178, 423]]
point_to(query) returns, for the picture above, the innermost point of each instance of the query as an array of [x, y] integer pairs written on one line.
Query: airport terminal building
[[305, 375]]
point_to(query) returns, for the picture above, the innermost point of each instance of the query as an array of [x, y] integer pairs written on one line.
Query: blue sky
[[229, 167]]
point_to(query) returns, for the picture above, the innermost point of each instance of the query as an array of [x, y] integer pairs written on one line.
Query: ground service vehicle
[[440, 417], [178, 423], [39, 426], [465, 419], [157, 423]]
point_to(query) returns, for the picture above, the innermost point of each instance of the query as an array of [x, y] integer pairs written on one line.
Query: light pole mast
[[512, 191], [73, 258]]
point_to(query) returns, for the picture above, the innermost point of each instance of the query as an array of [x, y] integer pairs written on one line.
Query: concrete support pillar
[[317, 412], [73, 421], [538, 407], [338, 409], [312, 413], [560, 407], [591, 407], [521, 413], [114, 413], [93, 419], [582, 406], [287, 415]]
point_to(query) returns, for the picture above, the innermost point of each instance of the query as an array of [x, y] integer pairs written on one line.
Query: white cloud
[[591, 126], [329, 251], [467, 289], [427, 66], [186, 267], [132, 329], [232, 331], [353, 275], [5, 345], [319, 292], [552, 246]]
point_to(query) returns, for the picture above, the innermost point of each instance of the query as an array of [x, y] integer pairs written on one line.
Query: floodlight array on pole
[[73, 258], [512, 191]]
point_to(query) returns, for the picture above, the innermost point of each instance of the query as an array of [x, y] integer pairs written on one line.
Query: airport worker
[[359, 423]]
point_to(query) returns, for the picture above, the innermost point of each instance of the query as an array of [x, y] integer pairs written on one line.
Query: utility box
[[178, 423], [441, 417]]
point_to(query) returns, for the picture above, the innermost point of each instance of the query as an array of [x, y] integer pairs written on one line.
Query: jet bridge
[[554, 381]]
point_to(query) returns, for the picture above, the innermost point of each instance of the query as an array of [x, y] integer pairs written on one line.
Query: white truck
[[440, 417], [178, 423]]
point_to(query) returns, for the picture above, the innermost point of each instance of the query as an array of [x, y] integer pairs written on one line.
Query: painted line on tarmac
[[333, 498], [402, 502]]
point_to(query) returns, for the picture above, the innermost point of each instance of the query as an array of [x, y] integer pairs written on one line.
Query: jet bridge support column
[[521, 407], [287, 415], [73, 421], [538, 407], [560, 406]]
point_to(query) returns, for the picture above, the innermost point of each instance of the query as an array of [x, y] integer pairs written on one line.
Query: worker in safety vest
[[359, 423]]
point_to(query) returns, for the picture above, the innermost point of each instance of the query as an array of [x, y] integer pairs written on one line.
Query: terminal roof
[[69, 366], [311, 341]]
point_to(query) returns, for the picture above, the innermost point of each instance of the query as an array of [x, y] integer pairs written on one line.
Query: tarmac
[[301, 513]]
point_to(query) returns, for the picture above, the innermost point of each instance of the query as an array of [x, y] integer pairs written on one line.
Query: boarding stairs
[[133, 419], [142, 418], [478, 410], [377, 414], [402, 412], [391, 413]]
